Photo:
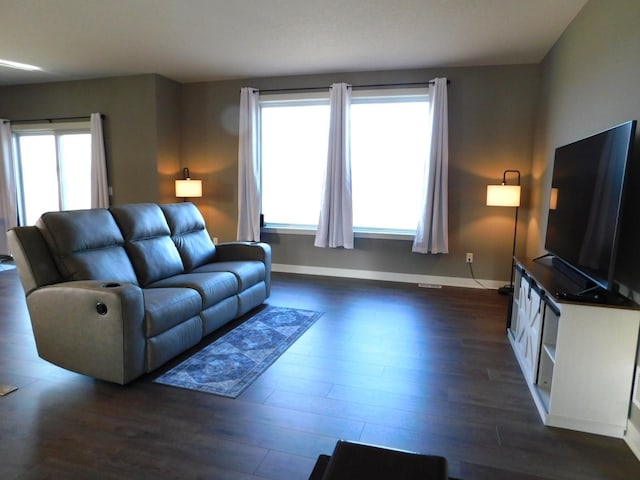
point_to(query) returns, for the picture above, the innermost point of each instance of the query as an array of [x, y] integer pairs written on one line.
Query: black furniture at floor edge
[[356, 461]]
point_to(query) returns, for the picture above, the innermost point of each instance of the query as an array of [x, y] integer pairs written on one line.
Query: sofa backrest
[[148, 241], [86, 245], [189, 234], [135, 243], [31, 254]]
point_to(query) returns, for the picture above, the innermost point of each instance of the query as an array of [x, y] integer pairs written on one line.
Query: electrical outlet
[[469, 258]]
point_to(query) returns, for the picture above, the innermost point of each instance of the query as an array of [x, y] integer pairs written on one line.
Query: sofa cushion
[[154, 259], [87, 245], [247, 272], [189, 234], [165, 346], [212, 287], [164, 308], [147, 240]]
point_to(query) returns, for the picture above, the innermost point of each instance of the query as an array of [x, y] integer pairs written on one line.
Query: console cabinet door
[[529, 328]]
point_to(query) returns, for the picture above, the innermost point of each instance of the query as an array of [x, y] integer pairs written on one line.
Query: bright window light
[[39, 175], [75, 171], [294, 154], [390, 142], [389, 148], [54, 172]]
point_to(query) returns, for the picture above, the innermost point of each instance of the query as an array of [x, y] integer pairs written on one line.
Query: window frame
[[286, 100], [359, 96], [57, 130]]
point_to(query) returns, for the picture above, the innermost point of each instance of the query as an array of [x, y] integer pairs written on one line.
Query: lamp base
[[506, 290]]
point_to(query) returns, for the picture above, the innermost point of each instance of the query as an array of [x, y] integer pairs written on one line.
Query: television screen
[[586, 202]]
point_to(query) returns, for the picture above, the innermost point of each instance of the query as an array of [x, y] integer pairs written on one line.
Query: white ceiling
[[203, 40]]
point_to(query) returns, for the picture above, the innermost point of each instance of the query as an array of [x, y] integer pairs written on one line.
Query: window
[[294, 154], [54, 168], [389, 149], [390, 143]]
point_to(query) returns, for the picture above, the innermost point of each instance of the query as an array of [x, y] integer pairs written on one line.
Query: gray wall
[[167, 140], [491, 115], [141, 125], [154, 127], [589, 83]]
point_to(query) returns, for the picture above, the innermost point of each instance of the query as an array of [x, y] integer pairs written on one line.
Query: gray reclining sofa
[[115, 293]]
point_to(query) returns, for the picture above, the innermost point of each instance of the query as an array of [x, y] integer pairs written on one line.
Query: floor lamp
[[504, 195]]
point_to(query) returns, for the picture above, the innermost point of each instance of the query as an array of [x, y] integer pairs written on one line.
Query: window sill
[[300, 230]]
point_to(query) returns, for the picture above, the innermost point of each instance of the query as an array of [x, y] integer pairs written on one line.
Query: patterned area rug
[[227, 366]]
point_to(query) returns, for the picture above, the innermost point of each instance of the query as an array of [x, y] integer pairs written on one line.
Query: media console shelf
[[578, 359]]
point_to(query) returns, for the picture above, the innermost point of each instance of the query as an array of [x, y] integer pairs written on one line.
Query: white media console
[[578, 359]]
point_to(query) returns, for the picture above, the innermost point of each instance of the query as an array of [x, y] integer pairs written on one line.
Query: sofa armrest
[[238, 251], [231, 251], [91, 327]]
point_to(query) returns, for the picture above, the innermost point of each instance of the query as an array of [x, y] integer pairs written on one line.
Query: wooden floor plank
[[426, 370]]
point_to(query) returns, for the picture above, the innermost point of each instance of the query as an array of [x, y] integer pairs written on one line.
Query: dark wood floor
[[428, 370]]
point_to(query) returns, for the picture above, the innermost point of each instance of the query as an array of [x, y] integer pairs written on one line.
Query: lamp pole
[[509, 289]]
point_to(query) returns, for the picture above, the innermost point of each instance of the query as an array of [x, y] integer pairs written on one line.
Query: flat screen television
[[585, 207]]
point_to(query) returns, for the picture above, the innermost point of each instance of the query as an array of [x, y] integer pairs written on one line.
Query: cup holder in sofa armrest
[[101, 308]]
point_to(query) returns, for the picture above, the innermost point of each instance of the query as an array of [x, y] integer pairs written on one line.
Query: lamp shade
[[553, 199], [503, 195], [188, 188]]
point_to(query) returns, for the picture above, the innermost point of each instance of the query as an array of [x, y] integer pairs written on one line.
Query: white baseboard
[[430, 280], [632, 437]]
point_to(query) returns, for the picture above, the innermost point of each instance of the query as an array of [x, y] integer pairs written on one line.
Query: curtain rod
[[379, 85], [51, 120]]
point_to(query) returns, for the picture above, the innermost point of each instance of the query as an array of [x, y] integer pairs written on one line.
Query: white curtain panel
[[432, 234], [8, 192], [335, 227], [249, 195], [99, 182]]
